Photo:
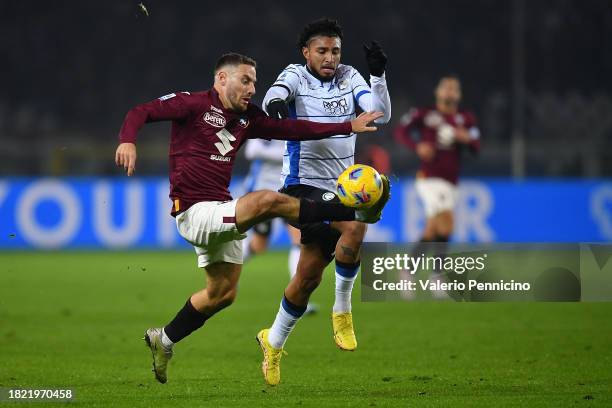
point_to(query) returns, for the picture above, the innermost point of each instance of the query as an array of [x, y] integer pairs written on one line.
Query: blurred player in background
[[439, 135], [327, 91], [266, 158], [208, 128]]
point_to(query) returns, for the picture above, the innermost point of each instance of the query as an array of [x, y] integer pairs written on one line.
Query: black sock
[[317, 211], [441, 247], [421, 248], [187, 320]]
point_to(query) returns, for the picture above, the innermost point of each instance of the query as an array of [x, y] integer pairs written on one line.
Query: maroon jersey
[[206, 137], [428, 125]]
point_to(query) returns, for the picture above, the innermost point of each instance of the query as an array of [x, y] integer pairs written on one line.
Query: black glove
[[277, 109], [376, 58]]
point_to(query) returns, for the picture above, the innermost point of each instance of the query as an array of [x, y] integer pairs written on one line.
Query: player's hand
[[376, 58], [360, 123], [462, 135], [126, 156], [277, 109], [425, 151]]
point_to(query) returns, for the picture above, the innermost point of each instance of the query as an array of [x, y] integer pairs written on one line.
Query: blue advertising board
[[52, 213]]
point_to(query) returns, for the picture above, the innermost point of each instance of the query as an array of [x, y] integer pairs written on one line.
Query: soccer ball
[[359, 186]]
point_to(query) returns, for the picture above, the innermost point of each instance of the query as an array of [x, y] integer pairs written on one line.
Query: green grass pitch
[[76, 319]]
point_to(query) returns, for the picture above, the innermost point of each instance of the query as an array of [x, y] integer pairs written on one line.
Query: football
[[359, 186]]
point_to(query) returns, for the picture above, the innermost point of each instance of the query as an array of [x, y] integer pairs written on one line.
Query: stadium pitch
[[76, 319]]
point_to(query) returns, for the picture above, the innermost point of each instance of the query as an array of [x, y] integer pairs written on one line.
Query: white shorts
[[210, 226], [437, 195]]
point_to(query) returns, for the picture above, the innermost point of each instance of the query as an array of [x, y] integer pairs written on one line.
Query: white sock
[[344, 287], [165, 340], [294, 257], [281, 328]]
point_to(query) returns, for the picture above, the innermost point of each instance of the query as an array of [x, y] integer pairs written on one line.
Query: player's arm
[[257, 149], [266, 127], [408, 130], [282, 90], [469, 135], [426, 150], [169, 107], [373, 97]]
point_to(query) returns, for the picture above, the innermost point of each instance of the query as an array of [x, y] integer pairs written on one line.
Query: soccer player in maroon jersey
[[208, 128], [439, 135]]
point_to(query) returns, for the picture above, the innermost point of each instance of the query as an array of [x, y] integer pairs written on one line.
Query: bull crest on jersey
[[225, 146]]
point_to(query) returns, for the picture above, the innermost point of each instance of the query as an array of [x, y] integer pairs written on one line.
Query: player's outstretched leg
[[263, 205], [291, 309], [220, 292]]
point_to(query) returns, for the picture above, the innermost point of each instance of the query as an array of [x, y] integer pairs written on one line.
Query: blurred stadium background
[[537, 75]]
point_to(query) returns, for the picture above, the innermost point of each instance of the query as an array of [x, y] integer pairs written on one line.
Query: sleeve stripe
[[365, 91]]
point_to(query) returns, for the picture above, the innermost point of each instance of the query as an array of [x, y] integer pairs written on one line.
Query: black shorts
[[319, 233]]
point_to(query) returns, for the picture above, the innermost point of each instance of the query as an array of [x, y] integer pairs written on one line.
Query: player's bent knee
[[269, 201]]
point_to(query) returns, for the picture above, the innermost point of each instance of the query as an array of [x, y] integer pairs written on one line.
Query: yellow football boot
[[270, 366], [344, 334]]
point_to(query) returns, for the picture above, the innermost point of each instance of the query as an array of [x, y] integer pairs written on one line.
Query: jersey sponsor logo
[[214, 119], [214, 108], [338, 107], [328, 196], [163, 98], [216, 157], [225, 145]]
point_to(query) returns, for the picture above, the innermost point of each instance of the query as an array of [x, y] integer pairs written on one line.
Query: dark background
[[536, 73]]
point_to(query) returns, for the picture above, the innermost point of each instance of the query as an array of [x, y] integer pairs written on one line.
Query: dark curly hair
[[324, 26]]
